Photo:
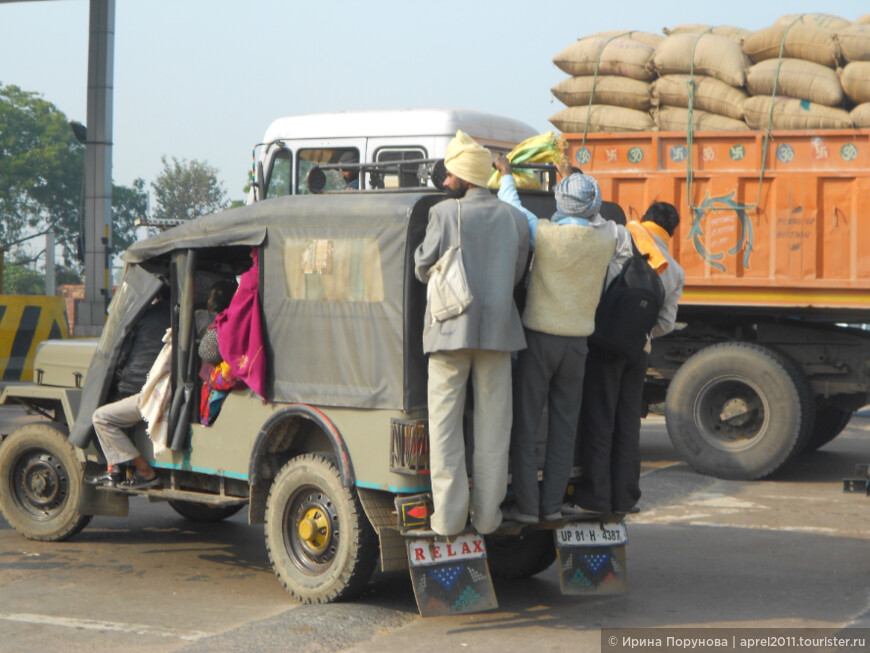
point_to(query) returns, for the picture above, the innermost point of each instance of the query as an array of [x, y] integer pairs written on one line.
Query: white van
[[293, 145]]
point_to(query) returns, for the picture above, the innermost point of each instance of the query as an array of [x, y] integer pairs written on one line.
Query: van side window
[[280, 175], [407, 177], [333, 269], [308, 158]]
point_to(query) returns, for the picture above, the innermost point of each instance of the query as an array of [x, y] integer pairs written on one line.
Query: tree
[[41, 168], [42, 173], [128, 205], [186, 190]]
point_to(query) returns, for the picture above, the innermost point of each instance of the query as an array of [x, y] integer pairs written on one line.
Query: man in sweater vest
[[571, 260]]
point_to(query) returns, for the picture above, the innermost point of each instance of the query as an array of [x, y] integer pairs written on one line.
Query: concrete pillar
[[98, 169]]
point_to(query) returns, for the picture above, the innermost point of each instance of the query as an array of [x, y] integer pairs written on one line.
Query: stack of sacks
[[621, 99], [855, 46], [805, 82], [718, 73]]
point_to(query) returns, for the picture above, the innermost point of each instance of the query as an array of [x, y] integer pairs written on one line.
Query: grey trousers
[[449, 372], [110, 420], [552, 367]]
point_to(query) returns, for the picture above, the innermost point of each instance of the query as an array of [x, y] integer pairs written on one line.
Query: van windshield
[[336, 179]]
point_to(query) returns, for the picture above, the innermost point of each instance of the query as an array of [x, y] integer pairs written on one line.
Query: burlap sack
[[855, 42], [801, 42], [826, 21], [715, 56], [856, 81], [860, 116], [790, 113], [676, 119], [649, 38], [711, 94], [609, 89], [728, 31], [621, 56], [602, 118], [799, 79], [862, 20]]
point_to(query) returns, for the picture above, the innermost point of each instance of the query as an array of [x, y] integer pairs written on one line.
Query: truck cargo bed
[[801, 245]]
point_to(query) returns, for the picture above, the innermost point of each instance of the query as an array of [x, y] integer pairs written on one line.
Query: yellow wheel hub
[[314, 529]]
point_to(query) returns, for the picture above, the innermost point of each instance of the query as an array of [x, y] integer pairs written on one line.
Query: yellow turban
[[468, 160]]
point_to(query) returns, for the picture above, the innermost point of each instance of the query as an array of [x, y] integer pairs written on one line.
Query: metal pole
[[98, 168], [49, 264]]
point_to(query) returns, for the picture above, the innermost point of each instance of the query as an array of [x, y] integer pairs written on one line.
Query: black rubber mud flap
[[451, 577], [592, 557]]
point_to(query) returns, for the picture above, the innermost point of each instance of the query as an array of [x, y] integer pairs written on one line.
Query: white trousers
[[490, 372], [110, 420]]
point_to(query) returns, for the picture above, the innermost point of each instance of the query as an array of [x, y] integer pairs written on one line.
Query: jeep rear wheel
[[320, 542], [41, 484], [520, 556]]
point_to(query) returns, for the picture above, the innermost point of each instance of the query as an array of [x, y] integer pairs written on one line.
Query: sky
[[197, 79]]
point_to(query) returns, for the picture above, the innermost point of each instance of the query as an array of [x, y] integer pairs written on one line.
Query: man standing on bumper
[[477, 343]]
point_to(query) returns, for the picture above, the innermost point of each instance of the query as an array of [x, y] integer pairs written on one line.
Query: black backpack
[[629, 308]]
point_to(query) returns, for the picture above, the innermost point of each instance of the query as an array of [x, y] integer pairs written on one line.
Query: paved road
[[789, 551]]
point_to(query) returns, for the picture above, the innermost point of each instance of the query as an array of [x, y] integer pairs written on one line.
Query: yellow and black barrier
[[25, 321]]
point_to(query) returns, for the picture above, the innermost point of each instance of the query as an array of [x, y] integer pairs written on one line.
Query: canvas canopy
[[343, 313]]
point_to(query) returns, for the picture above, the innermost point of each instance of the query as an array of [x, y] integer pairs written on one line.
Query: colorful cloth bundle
[[217, 383], [543, 148]]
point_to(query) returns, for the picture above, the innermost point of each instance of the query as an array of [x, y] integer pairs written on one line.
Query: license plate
[[592, 534]]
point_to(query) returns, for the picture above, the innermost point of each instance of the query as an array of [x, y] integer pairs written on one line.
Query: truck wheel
[[520, 556], [319, 540], [829, 423], [201, 512], [738, 410], [40, 484]]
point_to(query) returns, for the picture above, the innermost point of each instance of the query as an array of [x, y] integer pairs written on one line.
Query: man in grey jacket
[[475, 344]]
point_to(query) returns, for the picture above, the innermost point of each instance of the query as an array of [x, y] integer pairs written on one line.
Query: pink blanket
[[240, 331]]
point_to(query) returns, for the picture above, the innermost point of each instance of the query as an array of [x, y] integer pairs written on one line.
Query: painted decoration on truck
[[785, 153], [722, 216], [849, 152], [583, 156], [679, 153], [635, 155]]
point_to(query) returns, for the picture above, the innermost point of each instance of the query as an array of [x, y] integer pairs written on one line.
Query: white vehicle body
[[293, 144]]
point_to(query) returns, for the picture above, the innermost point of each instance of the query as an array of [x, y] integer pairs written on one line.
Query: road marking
[[105, 626]]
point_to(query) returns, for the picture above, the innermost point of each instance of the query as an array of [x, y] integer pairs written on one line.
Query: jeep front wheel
[[41, 484], [320, 542]]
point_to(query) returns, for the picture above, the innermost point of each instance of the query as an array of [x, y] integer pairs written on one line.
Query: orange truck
[[769, 358]]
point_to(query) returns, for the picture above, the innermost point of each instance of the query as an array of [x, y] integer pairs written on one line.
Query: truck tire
[[829, 423], [520, 556], [204, 513], [319, 540], [40, 484], [738, 410]]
